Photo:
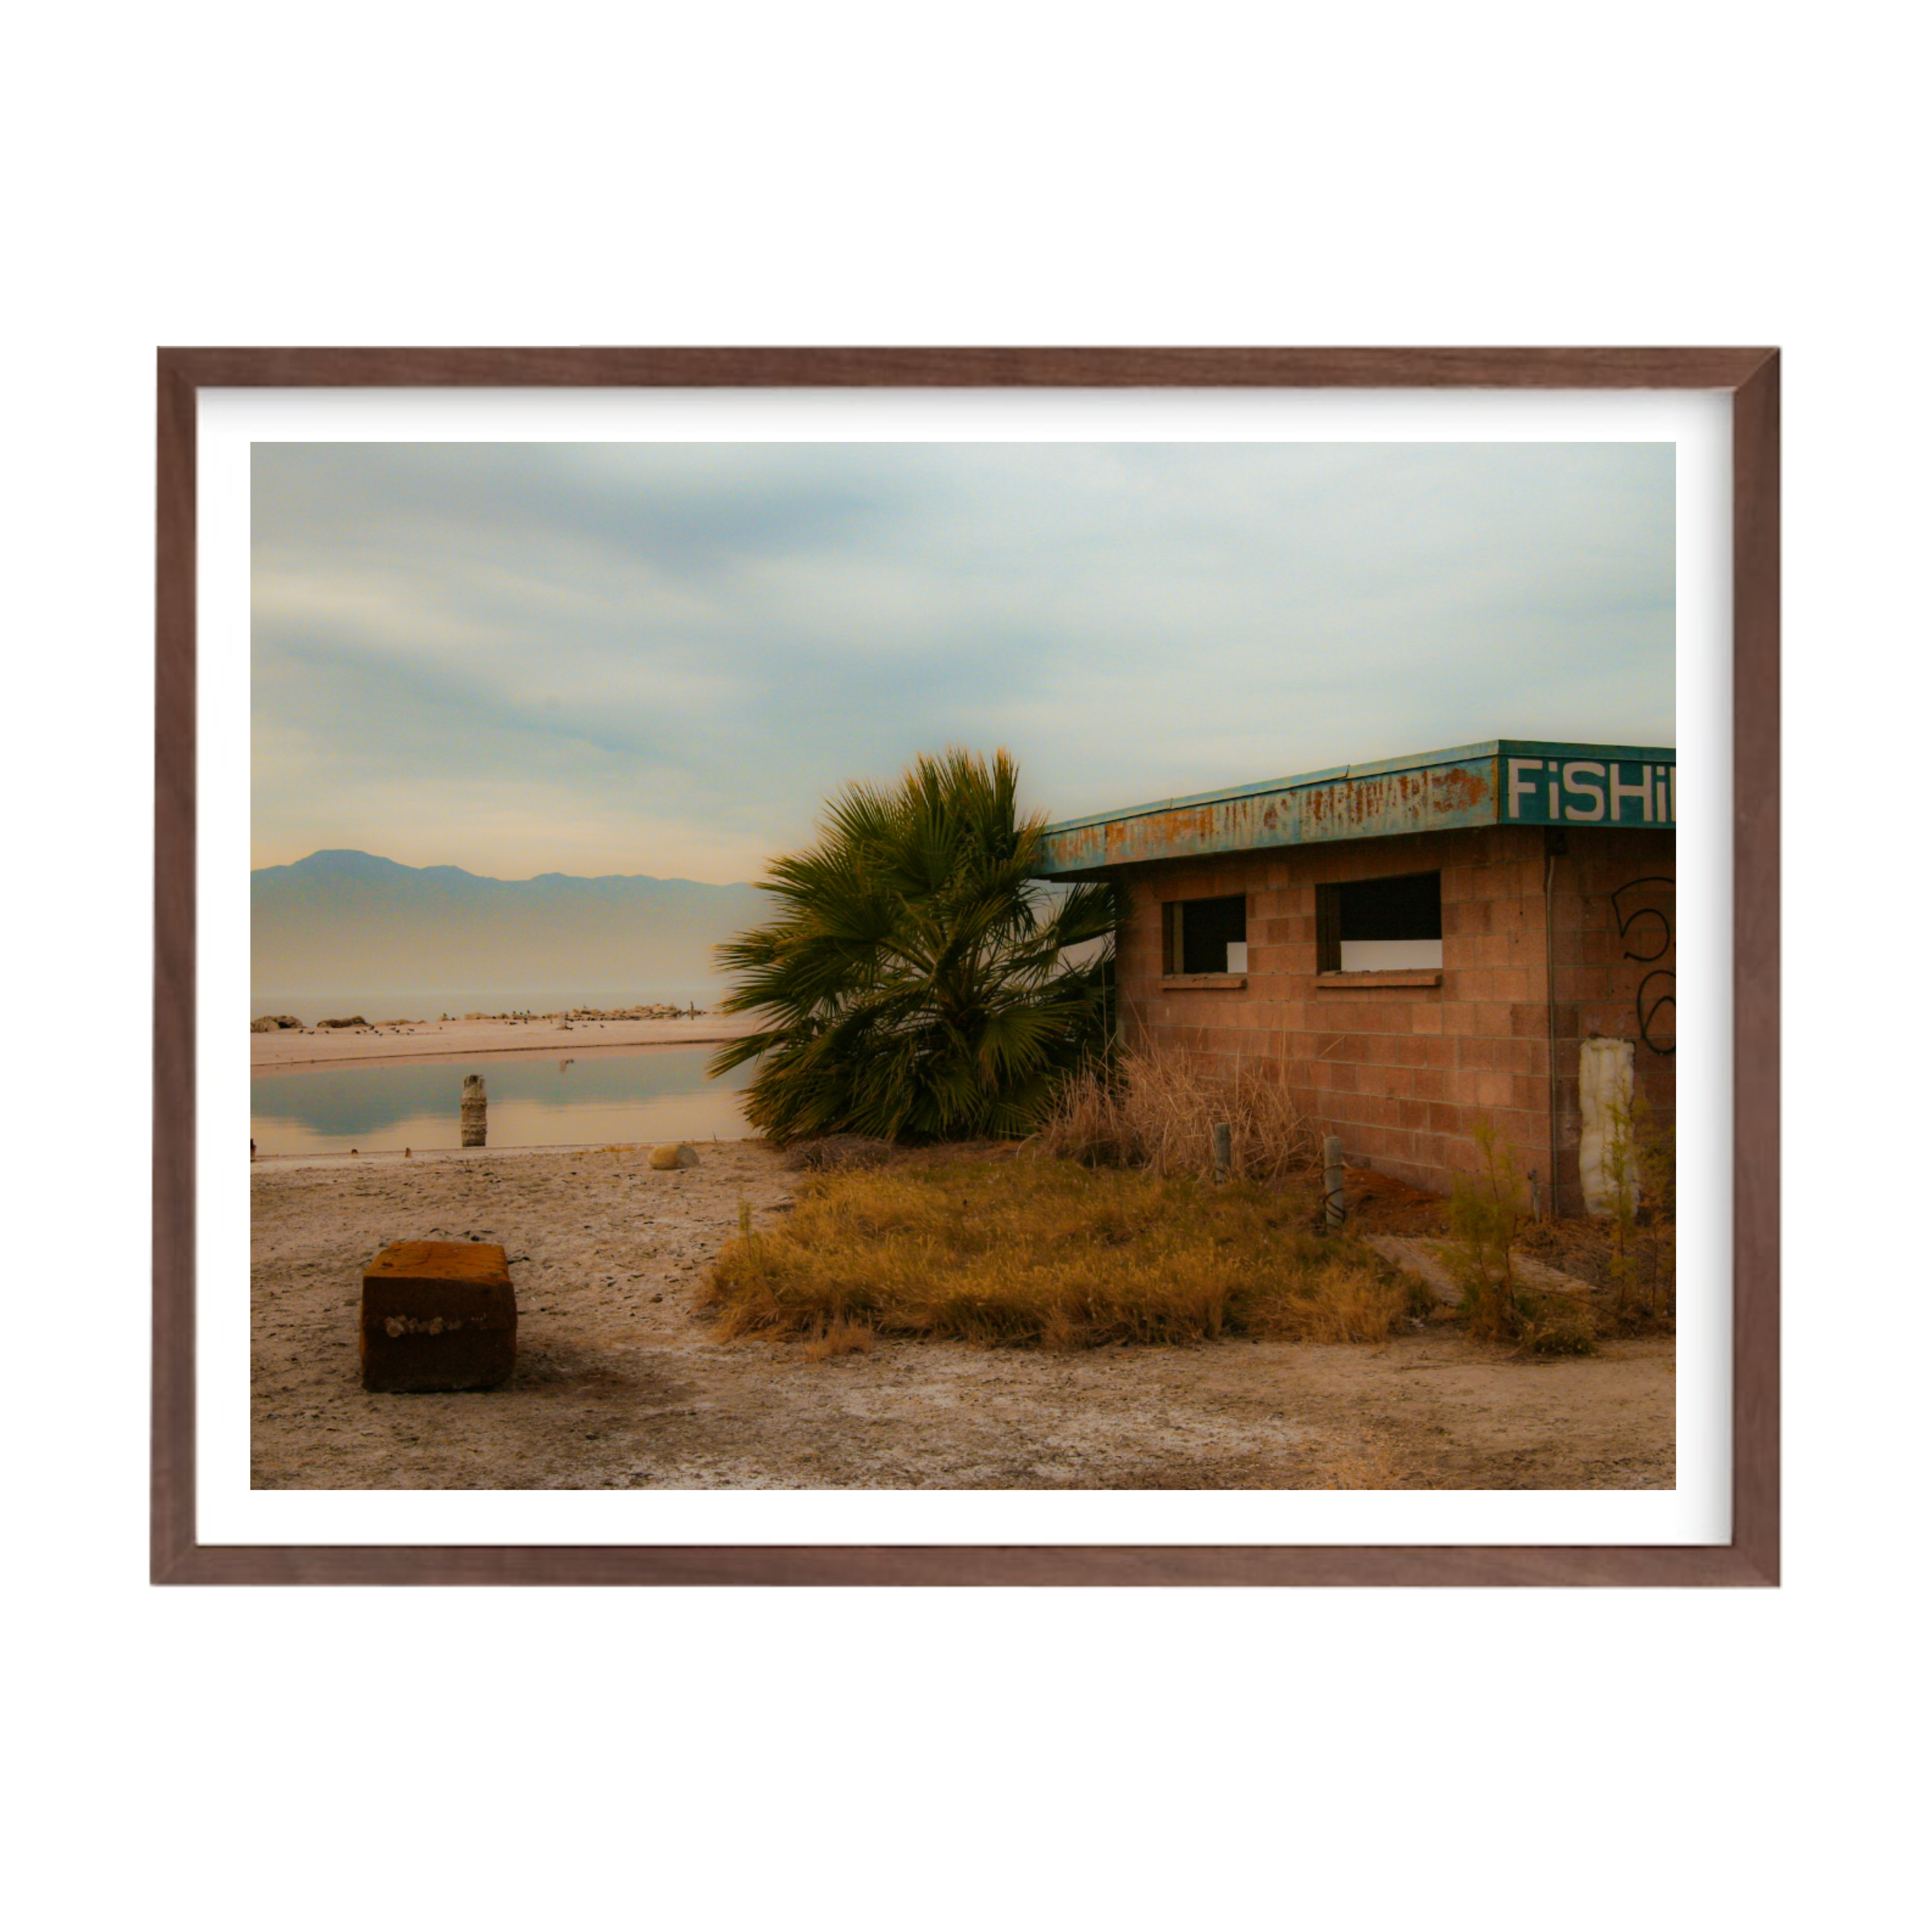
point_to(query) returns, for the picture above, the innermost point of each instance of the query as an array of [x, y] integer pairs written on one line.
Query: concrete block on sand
[[438, 1315], [674, 1153]]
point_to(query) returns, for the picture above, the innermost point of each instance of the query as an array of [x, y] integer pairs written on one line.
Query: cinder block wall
[[1616, 958], [1401, 1073]]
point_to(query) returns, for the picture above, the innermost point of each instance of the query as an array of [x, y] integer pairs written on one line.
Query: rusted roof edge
[[1488, 748], [1299, 781]]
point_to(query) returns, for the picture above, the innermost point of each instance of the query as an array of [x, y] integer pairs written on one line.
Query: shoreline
[[394, 1156], [289, 1051]]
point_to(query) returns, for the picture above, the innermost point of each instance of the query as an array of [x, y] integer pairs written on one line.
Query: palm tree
[[914, 985]]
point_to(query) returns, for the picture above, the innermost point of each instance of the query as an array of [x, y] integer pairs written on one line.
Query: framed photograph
[[1324, 709]]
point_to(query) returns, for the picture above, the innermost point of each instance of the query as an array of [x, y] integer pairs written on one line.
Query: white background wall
[[848, 172]]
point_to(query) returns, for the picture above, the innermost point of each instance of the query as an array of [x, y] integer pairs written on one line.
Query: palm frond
[[913, 983]]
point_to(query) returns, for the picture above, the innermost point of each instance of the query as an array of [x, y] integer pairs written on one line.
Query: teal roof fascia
[[1464, 791]]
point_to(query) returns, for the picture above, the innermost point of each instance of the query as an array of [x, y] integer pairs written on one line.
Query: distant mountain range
[[351, 926]]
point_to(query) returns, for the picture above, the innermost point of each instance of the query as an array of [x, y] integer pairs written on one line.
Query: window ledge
[[1202, 982], [1393, 976]]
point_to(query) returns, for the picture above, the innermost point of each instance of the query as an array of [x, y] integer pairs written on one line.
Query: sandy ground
[[465, 1039], [619, 1384]]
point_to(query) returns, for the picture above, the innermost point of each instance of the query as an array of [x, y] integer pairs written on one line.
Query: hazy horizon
[[353, 931], [386, 1003], [506, 878]]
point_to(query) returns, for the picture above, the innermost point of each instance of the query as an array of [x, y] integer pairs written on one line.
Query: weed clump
[[1485, 1214], [1156, 1109], [1640, 1162], [1047, 1254]]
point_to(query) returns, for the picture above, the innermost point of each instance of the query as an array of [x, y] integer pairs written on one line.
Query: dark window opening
[[1372, 925], [1206, 935]]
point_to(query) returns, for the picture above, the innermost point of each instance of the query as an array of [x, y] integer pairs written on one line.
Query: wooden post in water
[[1333, 1179], [475, 1107]]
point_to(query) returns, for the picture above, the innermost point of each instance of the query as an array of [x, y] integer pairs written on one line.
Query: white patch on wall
[[1237, 956], [1606, 1089], [1388, 955]]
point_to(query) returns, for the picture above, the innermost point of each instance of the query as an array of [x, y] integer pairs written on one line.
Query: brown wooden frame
[[1751, 377]]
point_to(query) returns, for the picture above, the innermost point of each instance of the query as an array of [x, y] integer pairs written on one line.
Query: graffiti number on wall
[[1648, 938]]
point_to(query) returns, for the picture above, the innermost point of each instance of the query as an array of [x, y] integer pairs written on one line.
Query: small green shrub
[[1485, 1211], [1486, 1216]]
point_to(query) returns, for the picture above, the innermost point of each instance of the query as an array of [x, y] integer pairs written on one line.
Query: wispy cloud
[[663, 658]]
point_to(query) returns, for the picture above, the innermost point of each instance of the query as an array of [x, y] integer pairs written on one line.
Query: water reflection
[[652, 1093]]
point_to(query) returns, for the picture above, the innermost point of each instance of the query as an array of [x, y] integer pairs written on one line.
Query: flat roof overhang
[[1504, 781]]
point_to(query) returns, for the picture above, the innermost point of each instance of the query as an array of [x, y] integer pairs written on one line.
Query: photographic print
[[1117, 967], [1322, 1037]]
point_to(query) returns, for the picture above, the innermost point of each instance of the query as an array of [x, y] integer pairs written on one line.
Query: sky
[[664, 658]]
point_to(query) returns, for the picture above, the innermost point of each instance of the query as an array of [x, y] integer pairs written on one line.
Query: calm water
[[649, 1093]]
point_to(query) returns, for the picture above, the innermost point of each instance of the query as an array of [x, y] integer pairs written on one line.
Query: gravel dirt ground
[[619, 1384]]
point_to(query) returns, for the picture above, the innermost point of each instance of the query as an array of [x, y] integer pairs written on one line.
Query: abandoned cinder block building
[[1414, 944]]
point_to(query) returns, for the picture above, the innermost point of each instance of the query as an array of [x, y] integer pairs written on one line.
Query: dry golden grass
[[1048, 1254], [840, 1338], [1158, 1110]]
